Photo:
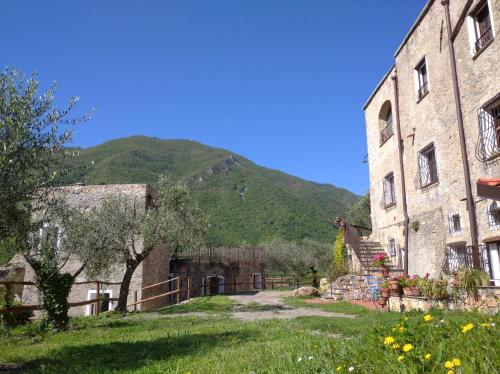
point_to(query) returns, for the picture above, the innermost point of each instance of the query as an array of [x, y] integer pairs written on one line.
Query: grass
[[157, 343]]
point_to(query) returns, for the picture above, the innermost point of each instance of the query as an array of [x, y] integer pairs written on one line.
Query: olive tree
[[174, 222], [34, 135]]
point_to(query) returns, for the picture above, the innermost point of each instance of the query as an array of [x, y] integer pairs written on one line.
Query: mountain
[[247, 203]]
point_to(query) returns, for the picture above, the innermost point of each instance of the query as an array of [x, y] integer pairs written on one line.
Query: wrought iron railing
[[386, 133], [488, 144], [427, 173], [462, 256], [485, 37], [387, 201], [422, 90]]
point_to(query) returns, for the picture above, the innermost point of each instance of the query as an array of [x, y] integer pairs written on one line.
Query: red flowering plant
[[380, 259]]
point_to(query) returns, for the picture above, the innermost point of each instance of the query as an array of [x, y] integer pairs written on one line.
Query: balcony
[[460, 256], [483, 40], [386, 133], [488, 144], [423, 90]]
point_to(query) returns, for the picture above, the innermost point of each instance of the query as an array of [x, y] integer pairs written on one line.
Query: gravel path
[[270, 305]]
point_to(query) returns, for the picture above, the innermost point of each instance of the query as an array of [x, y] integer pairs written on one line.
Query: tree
[[174, 222], [62, 235], [33, 137], [298, 259], [359, 214]]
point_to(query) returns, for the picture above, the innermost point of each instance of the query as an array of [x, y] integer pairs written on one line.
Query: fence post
[[135, 301], [189, 287], [98, 303], [178, 294]]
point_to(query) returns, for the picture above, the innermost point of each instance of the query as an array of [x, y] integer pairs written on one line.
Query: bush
[[10, 319]]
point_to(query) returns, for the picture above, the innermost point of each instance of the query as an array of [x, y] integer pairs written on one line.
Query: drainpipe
[[394, 78], [465, 161]]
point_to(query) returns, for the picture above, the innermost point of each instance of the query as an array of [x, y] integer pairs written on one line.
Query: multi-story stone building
[[433, 130]]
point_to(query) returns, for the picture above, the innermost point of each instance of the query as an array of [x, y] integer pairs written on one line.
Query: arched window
[[385, 118]]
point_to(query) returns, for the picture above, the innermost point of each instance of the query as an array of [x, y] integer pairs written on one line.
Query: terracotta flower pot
[[416, 291], [407, 291], [385, 292], [382, 301], [394, 286], [384, 270]]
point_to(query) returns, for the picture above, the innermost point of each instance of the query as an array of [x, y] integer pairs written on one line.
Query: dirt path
[[270, 304]]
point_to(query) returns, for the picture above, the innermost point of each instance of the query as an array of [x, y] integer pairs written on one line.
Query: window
[[454, 225], [392, 246], [421, 79], [494, 216], [488, 146], [386, 125], [427, 169], [50, 237], [457, 257], [104, 305], [389, 198], [483, 31]]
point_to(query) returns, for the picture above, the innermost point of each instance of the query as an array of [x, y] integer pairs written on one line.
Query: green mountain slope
[[247, 203]]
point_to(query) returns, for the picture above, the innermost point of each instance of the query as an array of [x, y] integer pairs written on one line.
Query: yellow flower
[[407, 347], [402, 329], [486, 325], [338, 368], [449, 365], [401, 358], [450, 372], [456, 361], [388, 340], [428, 356], [395, 346], [428, 318], [467, 327]]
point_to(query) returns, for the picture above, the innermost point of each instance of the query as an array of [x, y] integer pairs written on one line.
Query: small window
[[50, 237], [454, 225], [422, 79], [427, 169], [494, 216], [104, 305], [386, 123], [392, 247], [457, 257], [483, 31], [389, 198]]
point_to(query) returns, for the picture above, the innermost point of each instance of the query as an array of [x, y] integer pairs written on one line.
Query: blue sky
[[281, 82]]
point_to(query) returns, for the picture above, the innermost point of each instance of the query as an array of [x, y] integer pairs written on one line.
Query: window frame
[[421, 84], [453, 228], [389, 181], [475, 32], [431, 181], [493, 213]]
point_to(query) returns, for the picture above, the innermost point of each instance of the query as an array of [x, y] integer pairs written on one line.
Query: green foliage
[[470, 279], [246, 203], [339, 265], [9, 319], [296, 259], [33, 134], [360, 213], [434, 288]]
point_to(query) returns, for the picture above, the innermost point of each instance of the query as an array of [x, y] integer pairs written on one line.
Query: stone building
[[433, 130], [154, 269]]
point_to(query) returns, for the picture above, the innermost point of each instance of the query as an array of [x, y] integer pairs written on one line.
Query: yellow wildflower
[[407, 347], [456, 361], [428, 318], [395, 346], [338, 368], [388, 340], [450, 372], [449, 365], [467, 327], [401, 358], [427, 356]]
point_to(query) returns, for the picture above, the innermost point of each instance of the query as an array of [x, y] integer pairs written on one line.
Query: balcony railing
[[427, 171], [386, 133], [488, 144], [422, 90], [462, 256], [486, 36]]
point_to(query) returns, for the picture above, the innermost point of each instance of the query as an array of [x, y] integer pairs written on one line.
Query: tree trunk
[[125, 286], [315, 279]]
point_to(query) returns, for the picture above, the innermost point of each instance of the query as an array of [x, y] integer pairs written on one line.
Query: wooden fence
[[183, 289]]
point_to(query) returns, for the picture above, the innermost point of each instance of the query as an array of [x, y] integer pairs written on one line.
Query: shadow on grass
[[260, 308], [207, 304], [117, 356]]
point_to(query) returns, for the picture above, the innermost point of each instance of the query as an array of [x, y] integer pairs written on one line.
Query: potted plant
[[395, 285], [380, 260], [410, 286], [384, 290], [435, 289]]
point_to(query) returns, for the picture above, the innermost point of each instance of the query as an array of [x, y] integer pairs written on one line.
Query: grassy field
[[214, 343]]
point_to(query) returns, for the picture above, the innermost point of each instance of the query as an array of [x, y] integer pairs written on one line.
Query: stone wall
[[433, 120]]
